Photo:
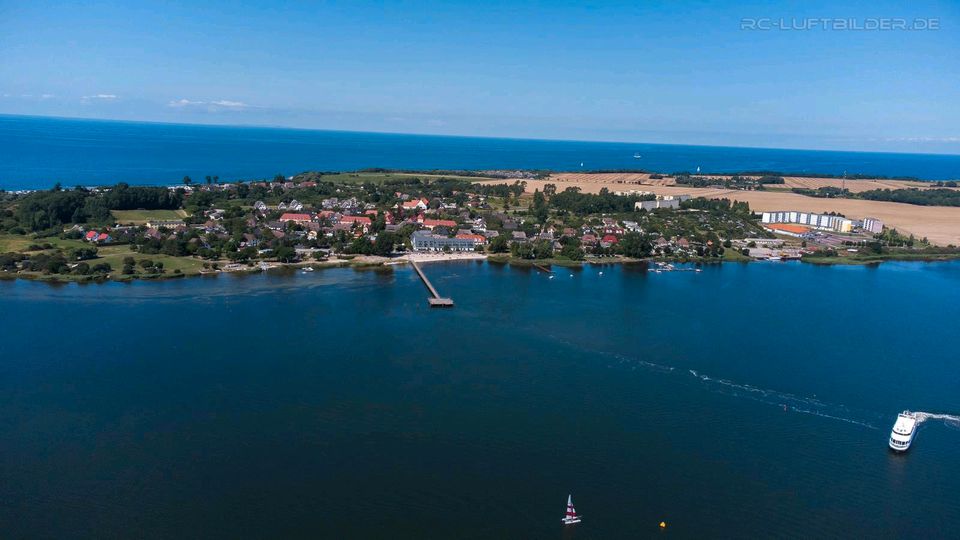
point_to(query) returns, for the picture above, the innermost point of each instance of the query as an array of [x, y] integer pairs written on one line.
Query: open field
[[139, 217], [377, 177], [855, 186], [940, 224]]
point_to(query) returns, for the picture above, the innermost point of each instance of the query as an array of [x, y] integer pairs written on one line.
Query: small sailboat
[[637, 155], [572, 516]]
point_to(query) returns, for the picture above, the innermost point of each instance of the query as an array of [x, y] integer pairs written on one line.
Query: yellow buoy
[[663, 524]]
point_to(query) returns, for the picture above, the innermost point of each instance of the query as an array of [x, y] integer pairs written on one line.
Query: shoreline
[[369, 261]]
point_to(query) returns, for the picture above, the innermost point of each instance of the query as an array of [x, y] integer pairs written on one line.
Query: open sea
[[37, 152], [743, 401]]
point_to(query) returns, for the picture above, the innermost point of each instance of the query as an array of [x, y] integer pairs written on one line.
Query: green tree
[[539, 208], [498, 244], [384, 244], [285, 254], [635, 245]]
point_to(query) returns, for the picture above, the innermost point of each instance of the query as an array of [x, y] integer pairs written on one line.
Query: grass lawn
[[14, 242], [17, 242], [138, 217], [731, 254], [114, 255]]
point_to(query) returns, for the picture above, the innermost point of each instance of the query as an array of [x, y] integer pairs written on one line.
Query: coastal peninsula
[[378, 217]]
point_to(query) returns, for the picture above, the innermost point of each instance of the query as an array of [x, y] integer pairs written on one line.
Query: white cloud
[[183, 103], [212, 106], [923, 139], [231, 104], [99, 97]]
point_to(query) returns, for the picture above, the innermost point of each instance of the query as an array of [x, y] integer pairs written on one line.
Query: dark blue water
[[37, 152], [338, 405]]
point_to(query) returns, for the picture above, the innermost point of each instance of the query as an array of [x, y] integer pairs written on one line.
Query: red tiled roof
[[788, 227], [356, 219], [295, 217], [478, 238], [439, 222]]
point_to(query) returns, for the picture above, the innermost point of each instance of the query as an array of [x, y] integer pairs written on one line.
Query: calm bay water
[[337, 404], [37, 152]]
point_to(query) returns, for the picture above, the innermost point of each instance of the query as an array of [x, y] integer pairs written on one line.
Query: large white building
[[872, 225], [662, 201], [815, 221]]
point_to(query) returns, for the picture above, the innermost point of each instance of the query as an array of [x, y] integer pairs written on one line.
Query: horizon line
[[462, 136]]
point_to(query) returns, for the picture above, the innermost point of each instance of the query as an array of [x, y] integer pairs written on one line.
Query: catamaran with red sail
[[572, 516]]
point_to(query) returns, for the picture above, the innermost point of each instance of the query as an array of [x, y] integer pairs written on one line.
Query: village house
[[431, 223], [330, 203], [166, 223], [415, 204], [296, 218], [632, 226], [98, 237], [363, 221], [478, 239]]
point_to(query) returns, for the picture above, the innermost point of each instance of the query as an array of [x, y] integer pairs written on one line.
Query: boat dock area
[[435, 300]]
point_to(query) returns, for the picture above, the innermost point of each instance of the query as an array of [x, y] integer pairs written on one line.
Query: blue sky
[[671, 72]]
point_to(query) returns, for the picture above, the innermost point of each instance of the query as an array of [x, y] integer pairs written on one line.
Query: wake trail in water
[[949, 420], [790, 402]]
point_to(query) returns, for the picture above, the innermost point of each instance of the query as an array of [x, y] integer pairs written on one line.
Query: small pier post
[[435, 300]]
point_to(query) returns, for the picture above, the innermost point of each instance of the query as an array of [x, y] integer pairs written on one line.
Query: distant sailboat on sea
[[636, 155], [572, 516]]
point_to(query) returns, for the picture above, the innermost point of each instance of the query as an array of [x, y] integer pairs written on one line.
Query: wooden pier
[[435, 300], [542, 268]]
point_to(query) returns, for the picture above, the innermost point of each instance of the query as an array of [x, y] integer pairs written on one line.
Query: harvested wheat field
[[854, 186], [940, 224]]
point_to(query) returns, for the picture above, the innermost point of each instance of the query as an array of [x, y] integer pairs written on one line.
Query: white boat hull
[[905, 428], [900, 445]]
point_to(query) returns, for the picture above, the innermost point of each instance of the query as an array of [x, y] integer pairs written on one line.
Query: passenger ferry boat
[[903, 431]]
